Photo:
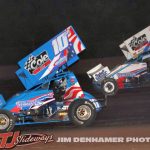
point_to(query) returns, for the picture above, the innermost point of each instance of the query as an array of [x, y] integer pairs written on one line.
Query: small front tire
[[109, 87]]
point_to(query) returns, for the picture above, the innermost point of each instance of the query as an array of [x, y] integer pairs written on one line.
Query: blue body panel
[[25, 97], [91, 98], [29, 99], [2, 101], [45, 61]]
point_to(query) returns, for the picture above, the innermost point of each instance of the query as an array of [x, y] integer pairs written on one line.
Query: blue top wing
[[60, 51]]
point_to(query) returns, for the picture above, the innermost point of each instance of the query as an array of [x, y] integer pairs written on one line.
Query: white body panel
[[98, 73], [136, 44]]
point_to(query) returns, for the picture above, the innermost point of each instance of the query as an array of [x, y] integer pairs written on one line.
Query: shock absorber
[[49, 111]]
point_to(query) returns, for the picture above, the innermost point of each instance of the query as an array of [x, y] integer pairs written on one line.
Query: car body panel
[[132, 73], [46, 60], [45, 76]]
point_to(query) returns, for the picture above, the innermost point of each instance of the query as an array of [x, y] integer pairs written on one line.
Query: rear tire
[[109, 87], [7, 121], [82, 112]]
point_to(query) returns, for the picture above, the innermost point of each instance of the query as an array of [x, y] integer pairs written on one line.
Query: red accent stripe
[[68, 91], [71, 32], [82, 96], [65, 52], [79, 46], [41, 67], [73, 40], [146, 43], [15, 109], [120, 82], [75, 94]]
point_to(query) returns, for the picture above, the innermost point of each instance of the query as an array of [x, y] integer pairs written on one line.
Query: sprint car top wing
[[137, 44], [59, 52]]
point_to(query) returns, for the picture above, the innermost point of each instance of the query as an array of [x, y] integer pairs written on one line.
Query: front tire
[[109, 87], [82, 112], [7, 121]]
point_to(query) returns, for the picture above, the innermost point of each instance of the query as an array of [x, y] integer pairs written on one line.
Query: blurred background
[[101, 24]]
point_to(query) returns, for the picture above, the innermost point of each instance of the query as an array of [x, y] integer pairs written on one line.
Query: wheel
[[7, 121], [109, 87], [82, 112]]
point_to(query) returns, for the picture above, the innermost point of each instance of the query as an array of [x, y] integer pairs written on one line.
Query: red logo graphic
[[35, 64], [11, 139]]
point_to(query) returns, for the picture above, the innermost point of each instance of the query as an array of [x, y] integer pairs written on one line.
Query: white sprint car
[[135, 72]]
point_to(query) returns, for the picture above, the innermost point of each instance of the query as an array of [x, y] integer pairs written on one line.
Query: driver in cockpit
[[59, 87]]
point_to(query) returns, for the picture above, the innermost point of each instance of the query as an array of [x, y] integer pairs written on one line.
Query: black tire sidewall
[[115, 86], [72, 113], [11, 120]]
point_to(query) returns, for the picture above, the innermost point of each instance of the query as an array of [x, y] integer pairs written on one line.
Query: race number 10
[[60, 43]]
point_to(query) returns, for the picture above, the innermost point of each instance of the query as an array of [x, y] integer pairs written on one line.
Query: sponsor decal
[[129, 74], [72, 80], [101, 75], [68, 40], [57, 62], [60, 43], [138, 42], [35, 64], [132, 73], [37, 101], [12, 139], [22, 104]]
